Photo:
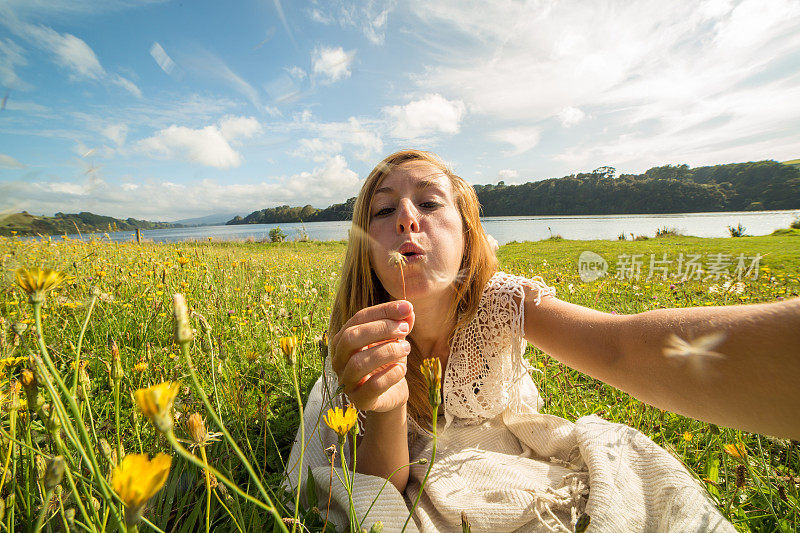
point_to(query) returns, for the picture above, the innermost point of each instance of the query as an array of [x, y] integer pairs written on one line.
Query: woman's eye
[[384, 211], [430, 205]]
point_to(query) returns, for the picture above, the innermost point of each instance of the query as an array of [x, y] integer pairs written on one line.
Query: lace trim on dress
[[485, 360]]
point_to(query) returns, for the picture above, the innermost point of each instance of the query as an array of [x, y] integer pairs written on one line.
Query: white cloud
[[354, 133], [210, 65], [209, 146], [331, 181], [317, 149], [297, 73], [430, 115], [116, 132], [570, 116], [522, 139], [507, 174], [318, 16], [6, 161], [332, 63], [639, 69], [69, 51], [73, 53], [370, 17], [233, 128], [11, 57], [359, 135], [126, 84]]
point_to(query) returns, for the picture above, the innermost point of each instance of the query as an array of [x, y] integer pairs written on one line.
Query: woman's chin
[[426, 290]]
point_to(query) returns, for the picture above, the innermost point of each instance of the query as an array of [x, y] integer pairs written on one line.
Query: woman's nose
[[407, 217]]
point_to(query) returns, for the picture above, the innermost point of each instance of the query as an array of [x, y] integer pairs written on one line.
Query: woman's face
[[413, 212]]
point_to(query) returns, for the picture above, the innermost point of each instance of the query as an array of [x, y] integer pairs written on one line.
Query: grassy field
[[244, 298]]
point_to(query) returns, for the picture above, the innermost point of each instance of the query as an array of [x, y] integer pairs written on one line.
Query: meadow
[[113, 316]]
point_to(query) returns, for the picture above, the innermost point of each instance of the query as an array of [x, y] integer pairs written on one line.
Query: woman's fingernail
[[403, 327], [404, 306], [405, 346]]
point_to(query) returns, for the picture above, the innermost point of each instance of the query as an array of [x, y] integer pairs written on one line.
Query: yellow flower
[[36, 282], [141, 366], [341, 421], [137, 479], [288, 346], [183, 260], [737, 451], [431, 369], [156, 403], [687, 436], [11, 361]]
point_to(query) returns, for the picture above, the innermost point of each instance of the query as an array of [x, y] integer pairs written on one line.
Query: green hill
[[26, 224]]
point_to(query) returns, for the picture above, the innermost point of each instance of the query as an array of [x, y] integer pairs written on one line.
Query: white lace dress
[[507, 466]]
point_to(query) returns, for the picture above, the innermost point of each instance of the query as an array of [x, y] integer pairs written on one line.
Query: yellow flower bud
[[197, 428], [289, 346]]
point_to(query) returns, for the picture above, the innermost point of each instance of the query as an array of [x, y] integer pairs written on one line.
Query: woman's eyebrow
[[420, 185]]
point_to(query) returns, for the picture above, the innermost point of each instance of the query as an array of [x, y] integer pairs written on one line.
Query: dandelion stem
[[80, 343], [45, 506], [302, 440], [430, 465], [88, 450], [403, 279], [208, 487], [347, 486], [116, 418], [228, 511], [13, 426]]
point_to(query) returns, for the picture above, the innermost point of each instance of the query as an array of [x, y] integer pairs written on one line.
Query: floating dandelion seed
[[696, 351]]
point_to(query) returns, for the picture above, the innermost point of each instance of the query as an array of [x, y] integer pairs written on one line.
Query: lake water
[[507, 229]]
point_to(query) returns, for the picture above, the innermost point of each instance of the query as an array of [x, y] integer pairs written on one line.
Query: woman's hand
[[369, 356]]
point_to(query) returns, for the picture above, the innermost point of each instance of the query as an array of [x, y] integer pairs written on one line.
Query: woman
[[499, 460]]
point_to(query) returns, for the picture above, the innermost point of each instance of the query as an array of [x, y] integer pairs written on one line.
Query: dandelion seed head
[[396, 258]]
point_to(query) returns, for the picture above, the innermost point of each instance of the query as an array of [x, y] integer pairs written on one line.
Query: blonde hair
[[359, 286]]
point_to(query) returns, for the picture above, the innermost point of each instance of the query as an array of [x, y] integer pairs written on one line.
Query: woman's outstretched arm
[[736, 365]]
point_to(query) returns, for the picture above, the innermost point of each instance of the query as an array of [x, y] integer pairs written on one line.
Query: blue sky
[[167, 110]]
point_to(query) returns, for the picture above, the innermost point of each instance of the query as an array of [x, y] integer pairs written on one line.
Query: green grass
[[253, 294]]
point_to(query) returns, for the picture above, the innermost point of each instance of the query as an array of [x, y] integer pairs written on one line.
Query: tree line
[[753, 186]]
